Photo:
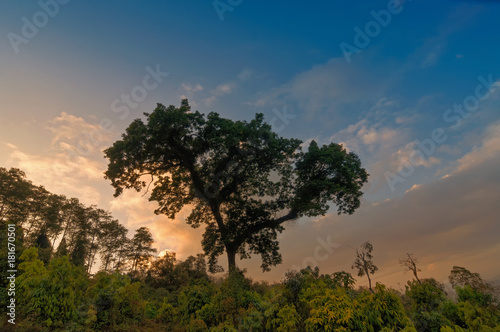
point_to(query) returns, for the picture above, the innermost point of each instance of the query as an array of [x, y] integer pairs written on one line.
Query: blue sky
[[410, 77]]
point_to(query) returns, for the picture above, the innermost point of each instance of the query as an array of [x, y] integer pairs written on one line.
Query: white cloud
[[67, 126], [209, 101], [326, 89], [79, 137], [225, 89], [489, 148], [244, 75], [432, 57], [403, 155], [190, 88], [60, 175], [370, 136], [60, 168], [10, 145], [414, 187]]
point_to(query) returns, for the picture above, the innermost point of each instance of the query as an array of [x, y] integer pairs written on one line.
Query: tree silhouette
[[113, 236], [141, 248], [461, 277], [44, 247], [240, 178], [410, 264], [364, 262]]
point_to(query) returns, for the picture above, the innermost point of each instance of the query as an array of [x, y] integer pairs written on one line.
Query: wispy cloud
[[60, 167], [488, 149], [228, 87], [194, 88], [61, 175], [326, 88]]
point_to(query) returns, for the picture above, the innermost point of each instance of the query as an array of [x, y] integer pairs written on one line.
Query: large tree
[[241, 180]]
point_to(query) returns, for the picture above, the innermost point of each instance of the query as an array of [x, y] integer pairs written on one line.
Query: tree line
[[60, 226], [173, 295]]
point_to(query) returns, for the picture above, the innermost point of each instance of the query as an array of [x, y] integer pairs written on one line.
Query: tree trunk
[[231, 259], [415, 273], [65, 229], [369, 281]]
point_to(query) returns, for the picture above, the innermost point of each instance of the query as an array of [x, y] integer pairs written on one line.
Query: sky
[[412, 87]]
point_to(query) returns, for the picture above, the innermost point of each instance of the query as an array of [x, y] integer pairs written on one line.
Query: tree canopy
[[241, 179]]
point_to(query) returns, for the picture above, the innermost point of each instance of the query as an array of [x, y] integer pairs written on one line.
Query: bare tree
[[410, 264], [364, 262]]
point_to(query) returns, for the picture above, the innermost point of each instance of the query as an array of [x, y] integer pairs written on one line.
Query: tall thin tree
[[364, 262]]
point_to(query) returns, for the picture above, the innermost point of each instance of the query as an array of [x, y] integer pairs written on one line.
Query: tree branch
[[254, 229]]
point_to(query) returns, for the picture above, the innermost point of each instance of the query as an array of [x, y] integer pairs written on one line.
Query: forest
[[50, 244]]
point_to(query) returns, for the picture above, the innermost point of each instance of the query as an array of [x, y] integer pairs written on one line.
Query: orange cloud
[[173, 234]]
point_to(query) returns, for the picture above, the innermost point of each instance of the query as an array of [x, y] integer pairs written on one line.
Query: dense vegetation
[[136, 291]]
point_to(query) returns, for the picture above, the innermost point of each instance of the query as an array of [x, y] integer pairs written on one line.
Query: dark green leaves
[[239, 178]]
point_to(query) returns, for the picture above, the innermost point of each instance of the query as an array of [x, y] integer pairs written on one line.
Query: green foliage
[[451, 329], [341, 279], [44, 247], [285, 320], [91, 317], [167, 312], [62, 297], [427, 299], [226, 326], [337, 310], [251, 319], [51, 295], [477, 317], [295, 282], [469, 294], [168, 273], [426, 296], [196, 325], [383, 309], [192, 298], [150, 310], [27, 283], [116, 300], [476, 308], [334, 310]]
